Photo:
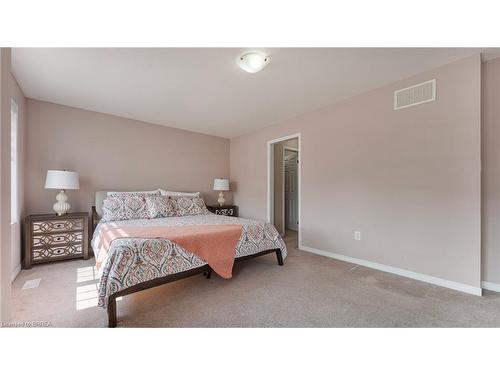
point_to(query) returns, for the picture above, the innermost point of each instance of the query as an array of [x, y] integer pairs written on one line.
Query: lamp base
[[221, 199], [61, 207]]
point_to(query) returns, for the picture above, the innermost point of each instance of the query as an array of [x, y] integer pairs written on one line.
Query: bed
[[134, 263]]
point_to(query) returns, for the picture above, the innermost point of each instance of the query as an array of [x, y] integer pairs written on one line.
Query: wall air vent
[[414, 95]]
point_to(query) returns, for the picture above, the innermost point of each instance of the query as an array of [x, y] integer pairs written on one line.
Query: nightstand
[[50, 237], [224, 210]]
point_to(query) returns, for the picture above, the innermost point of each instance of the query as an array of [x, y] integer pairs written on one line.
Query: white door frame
[[283, 192], [270, 179]]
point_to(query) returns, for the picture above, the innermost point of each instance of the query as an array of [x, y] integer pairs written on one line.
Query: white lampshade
[[221, 184], [62, 180]]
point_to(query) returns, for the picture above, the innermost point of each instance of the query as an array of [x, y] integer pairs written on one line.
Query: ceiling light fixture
[[253, 62]]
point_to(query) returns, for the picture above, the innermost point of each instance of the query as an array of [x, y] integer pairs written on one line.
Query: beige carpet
[[308, 291]]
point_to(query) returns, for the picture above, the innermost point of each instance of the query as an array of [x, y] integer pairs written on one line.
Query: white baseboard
[[491, 286], [15, 272], [399, 271]]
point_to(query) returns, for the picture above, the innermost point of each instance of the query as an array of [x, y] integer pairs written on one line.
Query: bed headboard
[[99, 198]]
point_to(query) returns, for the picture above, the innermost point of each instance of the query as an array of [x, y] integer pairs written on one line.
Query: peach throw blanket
[[215, 244]]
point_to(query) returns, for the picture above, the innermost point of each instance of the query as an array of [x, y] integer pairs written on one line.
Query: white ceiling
[[203, 90]]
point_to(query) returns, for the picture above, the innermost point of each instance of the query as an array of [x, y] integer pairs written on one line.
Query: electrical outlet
[[357, 235]]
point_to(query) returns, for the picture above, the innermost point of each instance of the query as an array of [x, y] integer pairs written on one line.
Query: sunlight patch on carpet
[[84, 274]]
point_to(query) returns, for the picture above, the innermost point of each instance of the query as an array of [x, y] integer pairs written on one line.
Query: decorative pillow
[[160, 206], [186, 206], [125, 206], [178, 193]]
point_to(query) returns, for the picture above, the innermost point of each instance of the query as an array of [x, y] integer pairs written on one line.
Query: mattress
[[131, 261]]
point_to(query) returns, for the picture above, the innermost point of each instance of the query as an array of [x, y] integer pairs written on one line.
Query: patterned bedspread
[[131, 261]]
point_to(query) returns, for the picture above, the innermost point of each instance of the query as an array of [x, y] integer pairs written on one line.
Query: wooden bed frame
[[205, 270]]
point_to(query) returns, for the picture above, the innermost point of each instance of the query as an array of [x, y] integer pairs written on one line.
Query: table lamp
[[61, 180], [221, 184]]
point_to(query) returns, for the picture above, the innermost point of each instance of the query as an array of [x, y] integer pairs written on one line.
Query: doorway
[[284, 187], [291, 204]]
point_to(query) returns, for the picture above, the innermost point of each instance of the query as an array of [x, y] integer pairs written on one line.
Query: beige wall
[[409, 180], [279, 218], [111, 152], [20, 100], [491, 170]]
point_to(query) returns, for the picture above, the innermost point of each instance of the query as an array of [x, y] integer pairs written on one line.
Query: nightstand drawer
[[224, 210], [53, 226], [56, 238], [47, 253]]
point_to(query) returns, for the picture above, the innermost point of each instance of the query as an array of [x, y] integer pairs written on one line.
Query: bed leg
[[279, 257], [112, 312], [209, 272]]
